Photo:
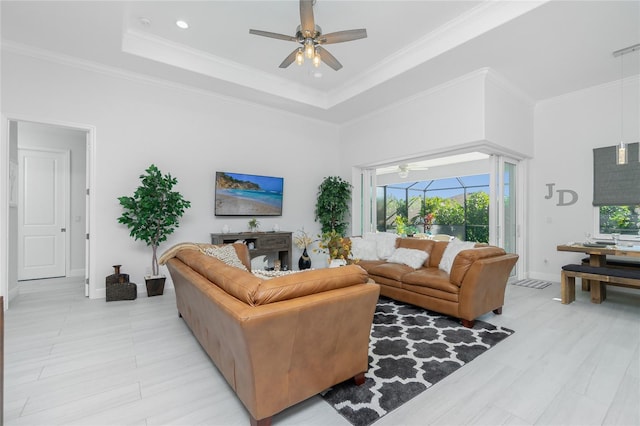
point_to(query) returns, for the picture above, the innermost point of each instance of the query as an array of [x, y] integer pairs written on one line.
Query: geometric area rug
[[532, 283], [410, 349]]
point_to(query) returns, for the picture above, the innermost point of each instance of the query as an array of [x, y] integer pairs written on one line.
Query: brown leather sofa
[[276, 341], [475, 286]]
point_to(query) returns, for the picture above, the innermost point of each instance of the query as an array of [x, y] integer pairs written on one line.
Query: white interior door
[[42, 213]]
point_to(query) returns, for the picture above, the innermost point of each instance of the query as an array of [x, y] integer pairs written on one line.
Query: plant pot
[[335, 263], [155, 285]]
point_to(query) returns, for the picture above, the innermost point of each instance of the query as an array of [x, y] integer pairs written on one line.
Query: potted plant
[[152, 213], [336, 246], [332, 205], [254, 224]]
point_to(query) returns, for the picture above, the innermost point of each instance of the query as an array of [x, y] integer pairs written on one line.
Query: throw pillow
[[385, 243], [226, 254], [363, 249], [451, 251], [410, 257]]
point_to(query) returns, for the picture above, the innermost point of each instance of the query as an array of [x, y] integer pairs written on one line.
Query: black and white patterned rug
[[410, 350]]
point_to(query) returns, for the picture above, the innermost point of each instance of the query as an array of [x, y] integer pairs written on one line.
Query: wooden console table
[[264, 243]]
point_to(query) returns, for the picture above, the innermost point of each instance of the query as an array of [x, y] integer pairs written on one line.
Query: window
[[460, 207], [616, 191], [624, 220]]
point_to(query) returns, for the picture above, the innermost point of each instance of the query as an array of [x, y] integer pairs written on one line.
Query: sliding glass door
[[506, 216]]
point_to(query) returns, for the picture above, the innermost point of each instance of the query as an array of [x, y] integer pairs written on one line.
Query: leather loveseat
[[474, 285], [276, 341]]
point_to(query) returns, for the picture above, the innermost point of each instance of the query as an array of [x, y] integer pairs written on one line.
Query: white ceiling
[[545, 49]]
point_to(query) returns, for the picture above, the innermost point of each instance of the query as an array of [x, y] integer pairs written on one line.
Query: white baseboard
[[75, 273]]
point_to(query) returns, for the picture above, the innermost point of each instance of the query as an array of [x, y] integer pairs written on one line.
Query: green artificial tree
[[154, 210], [332, 205]]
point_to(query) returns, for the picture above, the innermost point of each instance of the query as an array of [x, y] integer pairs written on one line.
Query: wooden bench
[[599, 278], [617, 263]]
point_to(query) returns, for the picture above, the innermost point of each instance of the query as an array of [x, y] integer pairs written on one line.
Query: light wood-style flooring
[[74, 361]]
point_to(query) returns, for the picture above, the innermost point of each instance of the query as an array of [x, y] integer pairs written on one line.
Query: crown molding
[[477, 21], [180, 56], [81, 64]]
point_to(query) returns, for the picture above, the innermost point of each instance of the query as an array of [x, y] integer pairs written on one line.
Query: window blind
[[613, 184]]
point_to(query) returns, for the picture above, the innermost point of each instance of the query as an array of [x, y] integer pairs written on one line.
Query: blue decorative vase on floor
[[305, 261]]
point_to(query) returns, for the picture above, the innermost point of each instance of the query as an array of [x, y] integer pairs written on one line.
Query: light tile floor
[[74, 361]]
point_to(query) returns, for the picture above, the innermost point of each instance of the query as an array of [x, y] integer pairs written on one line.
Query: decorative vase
[[305, 261]]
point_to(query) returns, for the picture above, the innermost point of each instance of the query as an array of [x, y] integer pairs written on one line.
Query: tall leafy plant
[[332, 205], [154, 210]]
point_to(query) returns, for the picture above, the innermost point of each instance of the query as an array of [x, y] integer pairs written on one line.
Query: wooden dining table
[[598, 258]]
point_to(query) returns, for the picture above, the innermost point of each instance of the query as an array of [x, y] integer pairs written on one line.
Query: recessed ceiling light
[[182, 24], [145, 21]]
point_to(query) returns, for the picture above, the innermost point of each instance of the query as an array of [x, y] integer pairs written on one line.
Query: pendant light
[[622, 150]]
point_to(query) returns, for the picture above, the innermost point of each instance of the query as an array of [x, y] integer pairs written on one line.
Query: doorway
[[506, 184], [58, 155]]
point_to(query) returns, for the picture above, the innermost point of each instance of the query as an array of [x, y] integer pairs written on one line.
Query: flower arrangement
[[428, 222], [302, 239], [335, 245]]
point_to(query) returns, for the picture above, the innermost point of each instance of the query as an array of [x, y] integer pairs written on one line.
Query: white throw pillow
[[453, 248], [226, 254], [363, 249], [410, 257], [385, 243]]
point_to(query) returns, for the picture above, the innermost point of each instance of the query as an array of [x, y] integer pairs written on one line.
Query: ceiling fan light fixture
[[316, 59], [403, 171], [309, 48], [300, 57]]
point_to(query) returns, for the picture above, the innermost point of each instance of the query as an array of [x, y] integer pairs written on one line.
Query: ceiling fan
[[310, 37], [403, 169]]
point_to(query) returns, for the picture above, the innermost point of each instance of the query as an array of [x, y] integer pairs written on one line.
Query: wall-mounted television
[[240, 194]]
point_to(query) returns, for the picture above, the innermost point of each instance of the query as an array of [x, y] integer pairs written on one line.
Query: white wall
[[567, 129], [450, 115], [186, 133], [508, 116], [39, 136]]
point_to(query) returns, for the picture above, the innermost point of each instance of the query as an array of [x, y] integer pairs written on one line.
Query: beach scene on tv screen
[[248, 195]]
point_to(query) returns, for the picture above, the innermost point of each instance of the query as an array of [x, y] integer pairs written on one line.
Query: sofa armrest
[[466, 258], [483, 287]]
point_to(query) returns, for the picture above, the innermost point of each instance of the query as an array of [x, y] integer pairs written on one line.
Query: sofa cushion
[[451, 251], [410, 257], [308, 282], [239, 283], [430, 277], [227, 254], [466, 258], [392, 271], [436, 253], [363, 249]]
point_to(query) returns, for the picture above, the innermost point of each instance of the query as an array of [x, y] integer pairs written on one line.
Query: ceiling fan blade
[[289, 59], [273, 35], [328, 58], [342, 36], [307, 23]]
